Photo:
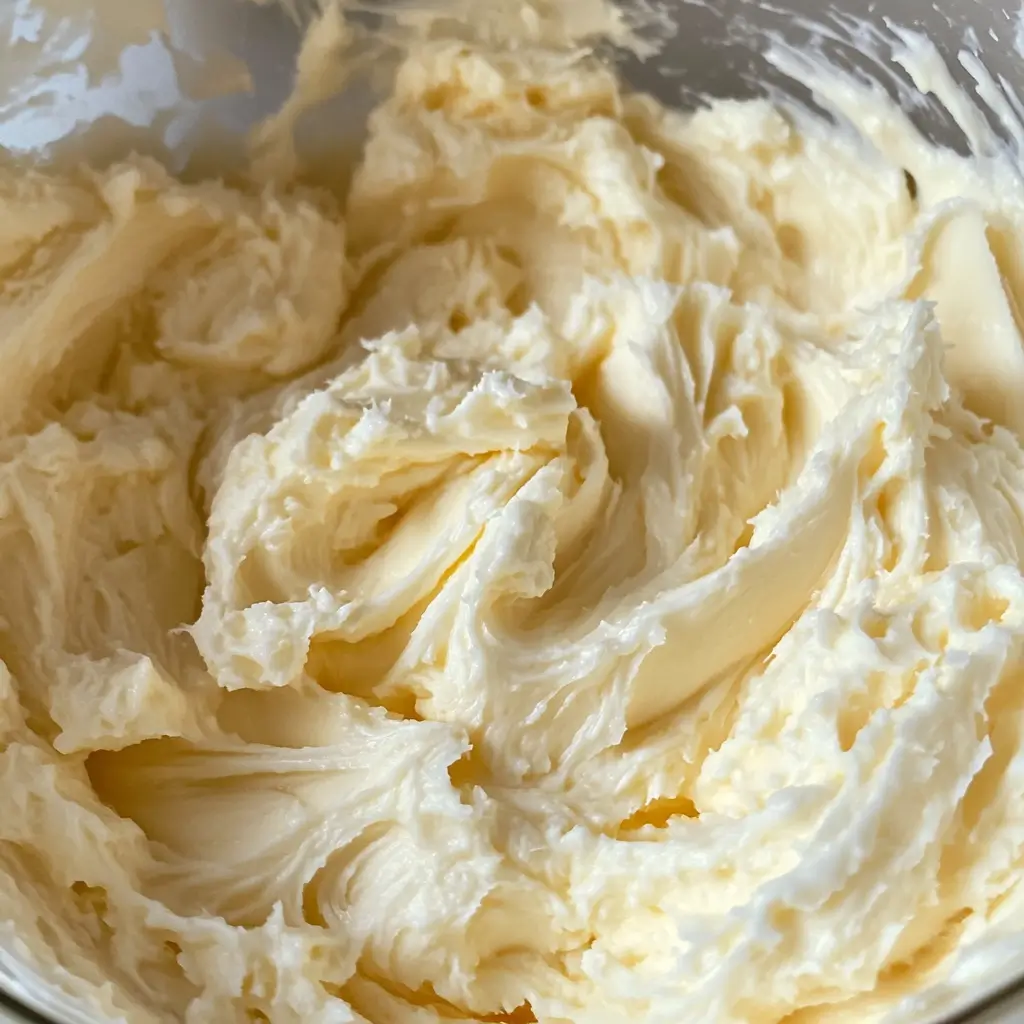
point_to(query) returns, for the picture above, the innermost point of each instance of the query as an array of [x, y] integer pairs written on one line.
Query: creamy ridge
[[579, 580]]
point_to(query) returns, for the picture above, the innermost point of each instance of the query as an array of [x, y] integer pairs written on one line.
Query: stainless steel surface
[[717, 51]]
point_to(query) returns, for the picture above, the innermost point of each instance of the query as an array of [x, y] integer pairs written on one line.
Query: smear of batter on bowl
[[577, 579]]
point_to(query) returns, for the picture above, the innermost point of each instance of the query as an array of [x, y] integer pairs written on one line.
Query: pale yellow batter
[[579, 581]]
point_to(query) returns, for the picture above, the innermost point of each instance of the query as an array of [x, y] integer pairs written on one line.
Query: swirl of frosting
[[615, 614]]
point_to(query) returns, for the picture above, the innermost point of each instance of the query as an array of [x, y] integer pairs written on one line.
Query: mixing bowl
[[97, 80]]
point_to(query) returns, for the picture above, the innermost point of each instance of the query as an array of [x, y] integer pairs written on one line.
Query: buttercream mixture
[[578, 579]]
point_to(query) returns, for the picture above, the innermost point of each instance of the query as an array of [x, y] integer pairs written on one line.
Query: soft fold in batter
[[580, 580]]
